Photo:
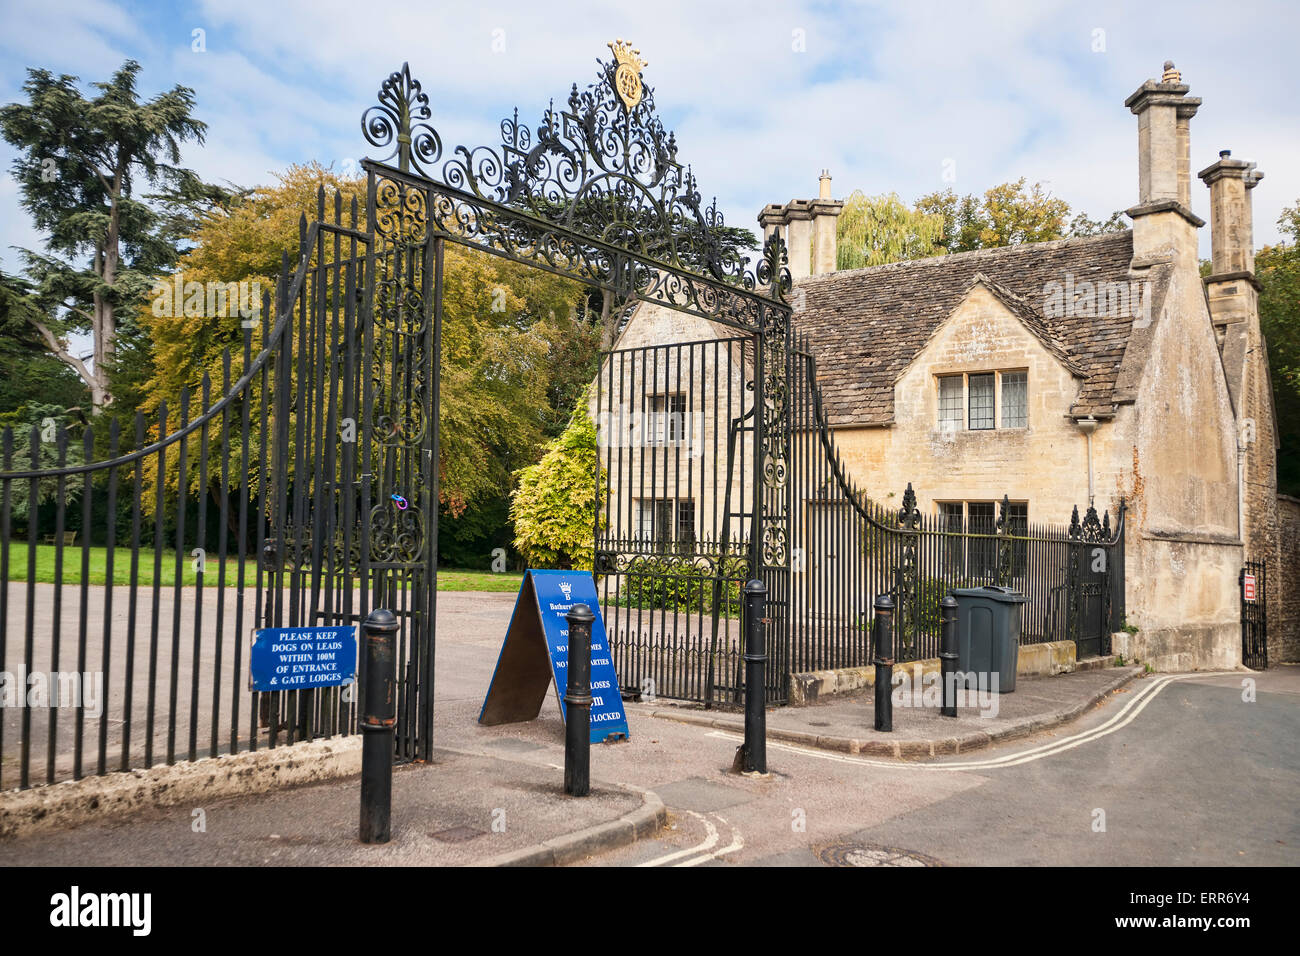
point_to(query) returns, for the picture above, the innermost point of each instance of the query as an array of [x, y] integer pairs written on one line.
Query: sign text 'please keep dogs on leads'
[[302, 658]]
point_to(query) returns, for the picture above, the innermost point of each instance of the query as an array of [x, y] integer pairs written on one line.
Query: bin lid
[[995, 592]]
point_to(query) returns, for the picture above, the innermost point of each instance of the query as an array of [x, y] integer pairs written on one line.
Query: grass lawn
[[453, 579], [449, 579]]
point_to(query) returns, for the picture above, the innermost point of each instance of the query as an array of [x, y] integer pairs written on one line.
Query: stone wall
[[1283, 581]]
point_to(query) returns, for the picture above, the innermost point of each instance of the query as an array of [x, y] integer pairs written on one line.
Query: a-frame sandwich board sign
[[536, 651]]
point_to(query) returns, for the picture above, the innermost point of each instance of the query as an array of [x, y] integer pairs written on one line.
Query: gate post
[[948, 654], [379, 718], [884, 661], [755, 747], [577, 703]]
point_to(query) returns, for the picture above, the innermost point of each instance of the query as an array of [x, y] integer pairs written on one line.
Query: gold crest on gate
[[627, 78]]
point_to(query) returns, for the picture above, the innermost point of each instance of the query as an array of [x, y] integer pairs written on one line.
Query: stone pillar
[[1164, 226], [772, 219], [1233, 294], [825, 211], [1231, 241], [798, 237], [1231, 287]]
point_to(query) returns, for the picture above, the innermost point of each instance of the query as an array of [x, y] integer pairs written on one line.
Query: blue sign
[[302, 658], [535, 656]]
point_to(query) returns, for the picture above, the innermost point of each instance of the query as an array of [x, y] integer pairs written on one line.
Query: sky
[[904, 97]]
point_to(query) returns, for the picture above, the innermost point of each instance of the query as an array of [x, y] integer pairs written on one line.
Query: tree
[[28, 372], [1014, 214], [556, 501], [962, 219], [872, 230], [1278, 270], [50, 421], [1081, 225], [80, 167], [1008, 215]]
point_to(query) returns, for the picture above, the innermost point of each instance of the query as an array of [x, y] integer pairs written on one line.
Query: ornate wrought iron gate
[[674, 537], [320, 454]]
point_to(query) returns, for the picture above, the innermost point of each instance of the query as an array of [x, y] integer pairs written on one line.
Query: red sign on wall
[[1248, 587]]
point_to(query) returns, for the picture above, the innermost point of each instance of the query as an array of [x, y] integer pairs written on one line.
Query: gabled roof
[[866, 325]]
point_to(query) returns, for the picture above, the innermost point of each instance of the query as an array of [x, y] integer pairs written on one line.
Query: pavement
[[847, 722], [461, 808], [1180, 770]]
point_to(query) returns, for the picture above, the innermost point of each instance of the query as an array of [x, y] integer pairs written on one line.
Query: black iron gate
[[1089, 587], [353, 482], [674, 538], [1253, 586]]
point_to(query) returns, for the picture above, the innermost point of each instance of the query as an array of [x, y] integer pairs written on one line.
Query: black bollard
[[884, 662], [378, 722], [755, 747], [577, 703], [948, 654]]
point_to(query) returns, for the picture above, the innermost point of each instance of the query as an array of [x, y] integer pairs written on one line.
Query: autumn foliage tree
[[873, 230], [503, 327]]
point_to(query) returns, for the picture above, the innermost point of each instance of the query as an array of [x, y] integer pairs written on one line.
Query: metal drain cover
[[871, 854]]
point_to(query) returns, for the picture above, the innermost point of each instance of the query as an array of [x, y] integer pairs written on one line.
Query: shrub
[[555, 504], [681, 583]]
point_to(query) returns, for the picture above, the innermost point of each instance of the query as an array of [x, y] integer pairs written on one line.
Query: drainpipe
[[1241, 489], [1088, 426]]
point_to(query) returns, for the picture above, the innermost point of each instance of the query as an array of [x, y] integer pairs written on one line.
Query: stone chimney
[[825, 211], [808, 228], [1232, 286], [1163, 222]]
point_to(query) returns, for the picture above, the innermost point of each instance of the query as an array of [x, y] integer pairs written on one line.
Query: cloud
[[762, 96]]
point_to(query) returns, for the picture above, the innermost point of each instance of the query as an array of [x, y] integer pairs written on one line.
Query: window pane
[[655, 429], [686, 523], [983, 551], [676, 418], [668, 418], [950, 388], [1018, 524], [1015, 399], [645, 519], [1018, 518], [663, 522], [950, 515], [981, 401]]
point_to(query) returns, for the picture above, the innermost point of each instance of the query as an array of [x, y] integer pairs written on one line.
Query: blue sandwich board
[[535, 656], [302, 658]]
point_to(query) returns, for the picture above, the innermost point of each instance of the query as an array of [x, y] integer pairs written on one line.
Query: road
[[1179, 772]]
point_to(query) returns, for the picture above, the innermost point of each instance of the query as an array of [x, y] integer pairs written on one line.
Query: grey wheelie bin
[[988, 635]]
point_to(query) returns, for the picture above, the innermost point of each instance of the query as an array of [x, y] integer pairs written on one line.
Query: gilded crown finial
[[627, 77]]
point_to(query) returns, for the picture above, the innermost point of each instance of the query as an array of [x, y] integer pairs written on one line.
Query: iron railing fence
[[130, 586], [850, 548]]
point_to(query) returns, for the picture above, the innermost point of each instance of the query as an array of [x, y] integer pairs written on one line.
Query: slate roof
[[865, 326]]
